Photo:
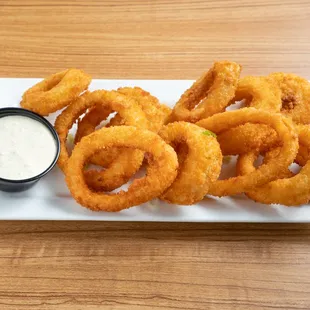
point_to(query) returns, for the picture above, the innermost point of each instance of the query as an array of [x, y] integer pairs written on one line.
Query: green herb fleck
[[209, 133]]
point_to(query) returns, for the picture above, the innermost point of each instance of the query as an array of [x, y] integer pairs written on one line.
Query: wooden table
[[73, 266]]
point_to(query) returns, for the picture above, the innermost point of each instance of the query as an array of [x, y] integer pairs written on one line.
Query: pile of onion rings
[[123, 132]]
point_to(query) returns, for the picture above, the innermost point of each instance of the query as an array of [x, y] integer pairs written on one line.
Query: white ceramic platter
[[50, 198]]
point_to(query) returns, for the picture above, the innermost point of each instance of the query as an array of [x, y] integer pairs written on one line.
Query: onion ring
[[285, 93], [155, 113], [259, 92], [128, 162], [295, 95], [248, 138], [161, 171], [93, 117], [209, 95], [289, 191], [201, 166], [265, 173], [55, 92], [88, 125]]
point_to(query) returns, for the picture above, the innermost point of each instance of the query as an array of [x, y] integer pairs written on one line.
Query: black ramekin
[[22, 185]]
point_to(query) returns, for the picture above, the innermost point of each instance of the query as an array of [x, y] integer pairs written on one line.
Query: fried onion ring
[[259, 92], [155, 113], [161, 171], [88, 125], [209, 95], [295, 96], [290, 191], [265, 173], [55, 92], [201, 166], [285, 93], [127, 162], [248, 138]]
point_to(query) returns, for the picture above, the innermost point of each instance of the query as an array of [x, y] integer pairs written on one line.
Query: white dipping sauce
[[27, 147]]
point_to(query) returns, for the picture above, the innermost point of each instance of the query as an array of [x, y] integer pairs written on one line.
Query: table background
[[63, 265]]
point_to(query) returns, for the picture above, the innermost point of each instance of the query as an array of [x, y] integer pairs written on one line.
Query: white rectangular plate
[[51, 200]]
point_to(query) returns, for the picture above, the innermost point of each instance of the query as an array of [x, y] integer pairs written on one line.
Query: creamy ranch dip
[[27, 147]]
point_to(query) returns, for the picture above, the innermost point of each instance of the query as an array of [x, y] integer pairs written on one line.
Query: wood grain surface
[[77, 266], [153, 39]]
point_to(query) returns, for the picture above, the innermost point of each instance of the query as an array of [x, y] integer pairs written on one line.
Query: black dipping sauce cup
[[22, 185]]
